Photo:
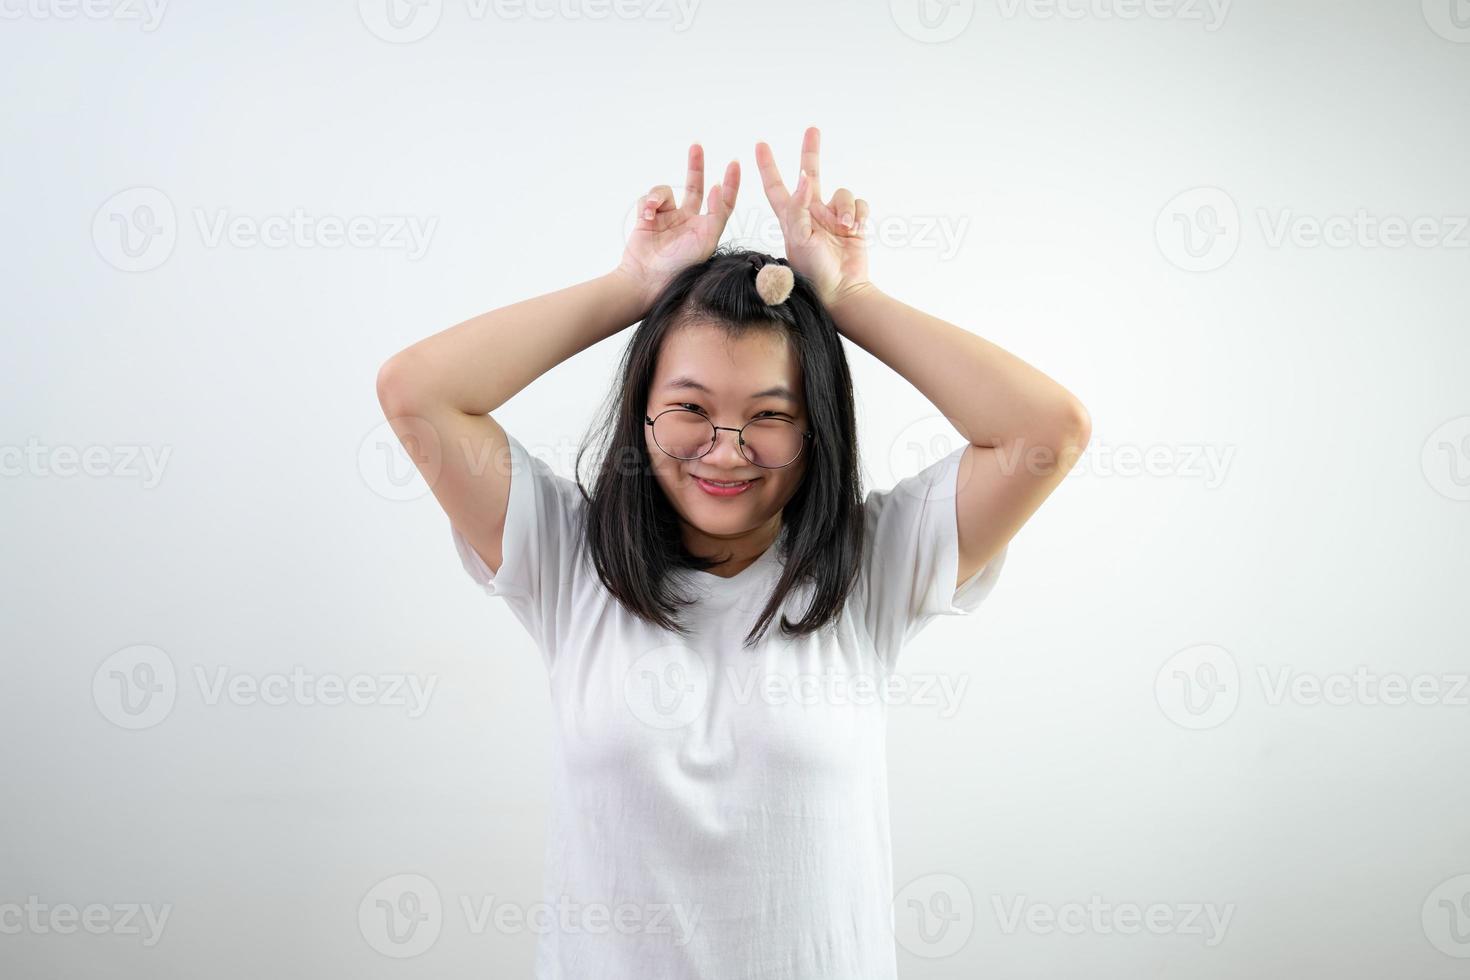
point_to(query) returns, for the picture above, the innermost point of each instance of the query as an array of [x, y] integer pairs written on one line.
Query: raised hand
[[666, 239], [824, 242]]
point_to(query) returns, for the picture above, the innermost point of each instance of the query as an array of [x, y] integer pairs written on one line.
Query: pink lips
[[718, 491]]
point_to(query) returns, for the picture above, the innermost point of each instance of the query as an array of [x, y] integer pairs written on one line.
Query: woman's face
[[729, 381]]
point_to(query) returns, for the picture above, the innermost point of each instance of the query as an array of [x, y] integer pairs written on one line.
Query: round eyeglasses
[[769, 443]]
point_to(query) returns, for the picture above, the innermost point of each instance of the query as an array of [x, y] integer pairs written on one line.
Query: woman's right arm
[[437, 392]]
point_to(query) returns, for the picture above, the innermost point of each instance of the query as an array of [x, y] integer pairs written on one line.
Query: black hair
[[632, 530]]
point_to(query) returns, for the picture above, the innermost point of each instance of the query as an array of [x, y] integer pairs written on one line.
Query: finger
[[776, 192], [654, 206], [860, 211], [811, 147], [694, 180], [824, 217], [799, 210], [722, 196], [843, 209]]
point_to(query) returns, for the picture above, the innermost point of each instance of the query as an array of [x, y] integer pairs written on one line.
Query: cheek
[[782, 484], [665, 468], [797, 476]]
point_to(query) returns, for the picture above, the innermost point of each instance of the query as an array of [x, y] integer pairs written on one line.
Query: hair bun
[[774, 282]]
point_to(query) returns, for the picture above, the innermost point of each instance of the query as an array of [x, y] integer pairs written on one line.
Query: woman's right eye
[[691, 406]]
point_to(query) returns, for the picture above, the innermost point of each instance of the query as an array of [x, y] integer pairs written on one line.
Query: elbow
[[396, 386], [1078, 424], [1070, 431]]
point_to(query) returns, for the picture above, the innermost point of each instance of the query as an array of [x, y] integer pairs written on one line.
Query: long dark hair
[[633, 534]]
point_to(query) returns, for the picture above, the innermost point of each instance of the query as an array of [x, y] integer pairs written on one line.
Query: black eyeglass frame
[[806, 437]]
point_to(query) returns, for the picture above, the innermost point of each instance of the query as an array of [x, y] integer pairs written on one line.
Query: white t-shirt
[[720, 812]]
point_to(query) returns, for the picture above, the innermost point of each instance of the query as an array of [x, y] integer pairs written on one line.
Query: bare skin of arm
[[437, 393], [1025, 430]]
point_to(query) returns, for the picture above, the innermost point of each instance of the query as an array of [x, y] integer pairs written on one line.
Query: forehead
[[704, 359]]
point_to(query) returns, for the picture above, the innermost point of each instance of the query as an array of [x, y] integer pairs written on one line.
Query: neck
[[743, 549]]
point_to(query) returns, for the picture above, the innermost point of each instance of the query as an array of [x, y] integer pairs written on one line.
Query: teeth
[[737, 483]]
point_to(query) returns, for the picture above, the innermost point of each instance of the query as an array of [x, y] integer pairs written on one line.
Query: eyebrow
[[776, 391]]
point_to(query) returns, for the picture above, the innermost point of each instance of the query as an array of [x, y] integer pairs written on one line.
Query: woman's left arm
[[1025, 430]]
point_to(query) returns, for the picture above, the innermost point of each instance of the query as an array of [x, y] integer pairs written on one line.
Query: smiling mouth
[[717, 488]]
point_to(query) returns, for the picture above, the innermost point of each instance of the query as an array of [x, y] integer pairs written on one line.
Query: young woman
[[712, 609]]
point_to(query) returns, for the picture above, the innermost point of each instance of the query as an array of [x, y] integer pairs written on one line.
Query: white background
[[1123, 737]]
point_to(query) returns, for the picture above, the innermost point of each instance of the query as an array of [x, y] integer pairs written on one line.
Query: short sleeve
[[539, 543], [911, 557]]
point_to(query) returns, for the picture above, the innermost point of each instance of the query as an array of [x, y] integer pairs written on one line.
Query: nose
[[726, 452]]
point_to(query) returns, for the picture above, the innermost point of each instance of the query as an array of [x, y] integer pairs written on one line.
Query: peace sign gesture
[[665, 238], [824, 242]]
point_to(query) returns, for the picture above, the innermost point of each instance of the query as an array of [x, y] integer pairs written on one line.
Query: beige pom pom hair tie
[[774, 281]]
